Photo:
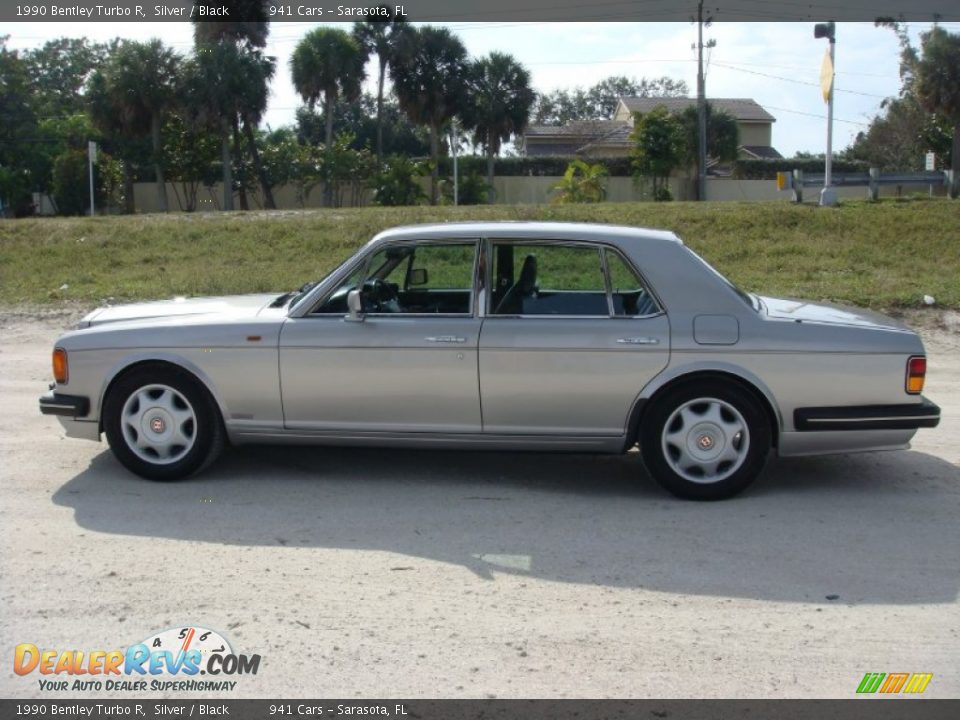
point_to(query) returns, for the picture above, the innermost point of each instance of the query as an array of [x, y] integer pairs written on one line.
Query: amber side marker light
[[916, 374], [60, 371]]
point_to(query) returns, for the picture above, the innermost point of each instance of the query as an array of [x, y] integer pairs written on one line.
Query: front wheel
[[161, 423], [705, 440]]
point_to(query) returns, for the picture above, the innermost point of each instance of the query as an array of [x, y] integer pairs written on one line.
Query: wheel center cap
[[157, 425], [705, 442]]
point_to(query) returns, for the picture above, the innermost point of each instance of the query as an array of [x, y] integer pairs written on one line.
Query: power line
[[794, 80], [815, 115], [807, 69]]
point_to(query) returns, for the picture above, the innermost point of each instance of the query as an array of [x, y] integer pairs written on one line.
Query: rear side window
[[548, 280], [630, 297]]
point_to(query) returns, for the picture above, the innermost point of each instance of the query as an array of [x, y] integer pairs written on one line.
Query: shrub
[[581, 183], [397, 183]]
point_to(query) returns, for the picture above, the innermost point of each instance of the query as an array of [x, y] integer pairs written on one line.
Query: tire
[[161, 423], [705, 440]]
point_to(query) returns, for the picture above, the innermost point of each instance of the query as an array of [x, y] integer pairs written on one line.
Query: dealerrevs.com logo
[[172, 660], [894, 683]]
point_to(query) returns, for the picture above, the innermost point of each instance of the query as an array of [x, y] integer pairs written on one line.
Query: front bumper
[[72, 411], [924, 414], [71, 406]]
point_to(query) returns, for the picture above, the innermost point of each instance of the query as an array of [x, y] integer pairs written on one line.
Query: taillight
[[916, 373], [60, 371]]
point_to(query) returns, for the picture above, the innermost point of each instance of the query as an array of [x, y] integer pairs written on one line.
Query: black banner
[[489, 11], [854, 709]]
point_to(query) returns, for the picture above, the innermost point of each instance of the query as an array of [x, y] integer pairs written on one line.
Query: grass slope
[[884, 255]]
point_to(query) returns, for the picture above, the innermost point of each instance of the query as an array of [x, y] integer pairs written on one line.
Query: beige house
[[611, 138]]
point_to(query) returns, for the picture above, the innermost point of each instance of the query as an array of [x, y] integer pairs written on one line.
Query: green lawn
[[885, 255]]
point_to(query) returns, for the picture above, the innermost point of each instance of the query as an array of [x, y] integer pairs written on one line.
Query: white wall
[[529, 190]]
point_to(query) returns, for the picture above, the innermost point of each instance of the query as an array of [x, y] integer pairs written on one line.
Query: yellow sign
[[826, 77]]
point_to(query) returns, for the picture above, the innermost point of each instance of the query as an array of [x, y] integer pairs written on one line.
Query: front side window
[[425, 278], [336, 302], [531, 279]]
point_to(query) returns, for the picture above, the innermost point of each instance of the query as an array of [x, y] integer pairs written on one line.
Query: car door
[[570, 339], [410, 365]]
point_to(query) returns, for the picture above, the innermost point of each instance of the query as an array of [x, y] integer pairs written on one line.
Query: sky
[[776, 64]]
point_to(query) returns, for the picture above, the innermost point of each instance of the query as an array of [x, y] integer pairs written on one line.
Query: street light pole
[[828, 196]]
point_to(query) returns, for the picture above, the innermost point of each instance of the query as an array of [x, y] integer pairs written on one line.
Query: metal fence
[[797, 180]]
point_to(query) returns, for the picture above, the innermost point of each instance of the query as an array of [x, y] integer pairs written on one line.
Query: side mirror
[[418, 276], [354, 307]]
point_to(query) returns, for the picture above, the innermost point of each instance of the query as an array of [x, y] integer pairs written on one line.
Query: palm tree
[[138, 85], [385, 37], [118, 127], [328, 63], [500, 102], [218, 77], [252, 30], [429, 82], [253, 105], [239, 88]]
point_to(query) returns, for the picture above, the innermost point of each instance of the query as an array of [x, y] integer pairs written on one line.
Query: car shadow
[[856, 529]]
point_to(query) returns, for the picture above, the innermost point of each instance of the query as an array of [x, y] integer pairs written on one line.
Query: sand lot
[[413, 574]]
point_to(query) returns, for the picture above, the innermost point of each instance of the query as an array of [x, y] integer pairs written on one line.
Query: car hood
[[233, 306], [828, 313]]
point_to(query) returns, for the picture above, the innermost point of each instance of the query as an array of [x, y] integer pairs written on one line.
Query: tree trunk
[[491, 194], [226, 158], [268, 201], [158, 161], [241, 171], [129, 202], [328, 151], [435, 162], [383, 72]]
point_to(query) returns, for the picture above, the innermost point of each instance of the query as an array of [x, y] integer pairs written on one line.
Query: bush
[[472, 190], [548, 166], [581, 183], [397, 184], [768, 169], [71, 183]]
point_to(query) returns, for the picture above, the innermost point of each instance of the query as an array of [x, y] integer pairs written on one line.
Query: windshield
[[294, 296], [749, 298]]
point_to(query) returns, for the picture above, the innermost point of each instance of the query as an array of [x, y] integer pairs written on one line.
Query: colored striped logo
[[893, 683]]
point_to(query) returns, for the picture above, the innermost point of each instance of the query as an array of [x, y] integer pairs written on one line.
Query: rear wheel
[[705, 440], [161, 423]]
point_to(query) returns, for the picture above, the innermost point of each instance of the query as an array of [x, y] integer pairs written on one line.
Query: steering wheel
[[381, 295]]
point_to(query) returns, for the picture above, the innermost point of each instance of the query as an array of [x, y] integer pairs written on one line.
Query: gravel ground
[[414, 574]]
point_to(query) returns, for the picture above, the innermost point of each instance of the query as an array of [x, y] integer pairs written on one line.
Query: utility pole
[[454, 143], [701, 111], [91, 159]]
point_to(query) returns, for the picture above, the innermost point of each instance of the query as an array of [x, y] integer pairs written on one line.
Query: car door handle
[[638, 341], [445, 339]]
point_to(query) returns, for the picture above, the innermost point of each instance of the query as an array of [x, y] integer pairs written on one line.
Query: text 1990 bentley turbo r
[[533, 336]]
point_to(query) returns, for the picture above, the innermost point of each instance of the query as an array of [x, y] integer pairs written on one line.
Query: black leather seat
[[524, 287]]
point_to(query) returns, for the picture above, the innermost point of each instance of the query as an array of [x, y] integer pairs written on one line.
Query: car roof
[[529, 230]]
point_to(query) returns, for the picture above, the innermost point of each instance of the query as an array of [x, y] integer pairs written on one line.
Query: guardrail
[[797, 180]]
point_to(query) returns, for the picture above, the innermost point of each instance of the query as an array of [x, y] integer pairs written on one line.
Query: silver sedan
[[502, 336]]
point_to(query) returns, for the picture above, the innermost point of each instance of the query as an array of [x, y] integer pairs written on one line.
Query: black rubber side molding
[[67, 405], [868, 417]]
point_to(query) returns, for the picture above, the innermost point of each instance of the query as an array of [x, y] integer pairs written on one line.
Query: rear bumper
[[924, 414], [71, 406]]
